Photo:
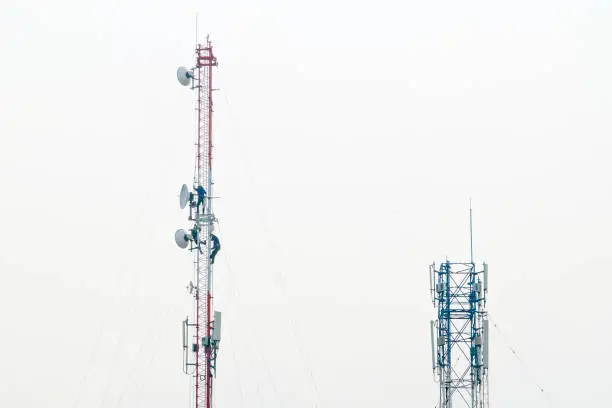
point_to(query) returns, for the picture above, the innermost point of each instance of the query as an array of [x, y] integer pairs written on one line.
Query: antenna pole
[[471, 241]]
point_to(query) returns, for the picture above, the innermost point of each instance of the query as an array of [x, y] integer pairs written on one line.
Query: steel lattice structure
[[459, 336], [200, 353], [205, 61]]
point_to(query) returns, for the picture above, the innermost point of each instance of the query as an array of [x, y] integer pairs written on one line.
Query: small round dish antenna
[[184, 76], [184, 196], [182, 238]]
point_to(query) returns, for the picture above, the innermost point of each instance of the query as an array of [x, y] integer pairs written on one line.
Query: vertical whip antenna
[[471, 240]]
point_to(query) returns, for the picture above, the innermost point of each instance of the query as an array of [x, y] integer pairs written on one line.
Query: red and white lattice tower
[[201, 338]]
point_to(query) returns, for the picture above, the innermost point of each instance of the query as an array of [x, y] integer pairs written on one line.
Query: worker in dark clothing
[[201, 196], [216, 247], [195, 234]]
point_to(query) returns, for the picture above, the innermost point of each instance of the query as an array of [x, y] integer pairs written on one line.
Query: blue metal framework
[[459, 336]]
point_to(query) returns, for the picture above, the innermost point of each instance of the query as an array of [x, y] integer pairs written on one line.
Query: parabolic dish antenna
[[184, 75], [181, 238], [184, 196]]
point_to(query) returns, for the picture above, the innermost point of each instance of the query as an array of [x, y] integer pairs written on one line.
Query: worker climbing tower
[[460, 334], [201, 334]]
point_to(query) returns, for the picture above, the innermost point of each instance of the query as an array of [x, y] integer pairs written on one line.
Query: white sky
[[349, 136]]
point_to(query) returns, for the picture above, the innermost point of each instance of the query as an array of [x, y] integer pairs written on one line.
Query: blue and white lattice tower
[[460, 334]]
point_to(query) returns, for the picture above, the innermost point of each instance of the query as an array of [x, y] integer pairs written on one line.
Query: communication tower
[[201, 334], [460, 334]]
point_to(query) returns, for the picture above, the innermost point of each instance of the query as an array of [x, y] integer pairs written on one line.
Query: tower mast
[[201, 338], [460, 333], [205, 61]]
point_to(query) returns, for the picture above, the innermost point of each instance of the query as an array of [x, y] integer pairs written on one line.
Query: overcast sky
[[349, 137]]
